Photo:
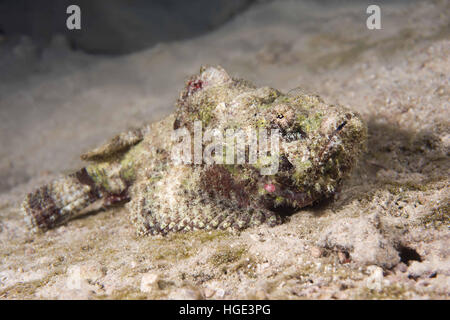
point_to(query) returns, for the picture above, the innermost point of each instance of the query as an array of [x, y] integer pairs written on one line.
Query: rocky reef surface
[[384, 236]]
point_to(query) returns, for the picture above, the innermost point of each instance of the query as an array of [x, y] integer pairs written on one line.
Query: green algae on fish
[[319, 145]]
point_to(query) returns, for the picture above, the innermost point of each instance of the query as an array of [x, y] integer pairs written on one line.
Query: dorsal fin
[[118, 144]]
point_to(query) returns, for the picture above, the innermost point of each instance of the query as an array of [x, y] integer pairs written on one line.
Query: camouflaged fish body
[[319, 146]]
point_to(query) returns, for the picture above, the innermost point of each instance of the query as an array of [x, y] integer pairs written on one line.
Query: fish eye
[[280, 116]]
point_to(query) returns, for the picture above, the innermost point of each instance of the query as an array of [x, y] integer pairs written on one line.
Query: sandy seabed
[[385, 235]]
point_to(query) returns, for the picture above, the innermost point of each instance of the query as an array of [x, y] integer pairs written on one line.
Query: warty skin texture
[[319, 145]]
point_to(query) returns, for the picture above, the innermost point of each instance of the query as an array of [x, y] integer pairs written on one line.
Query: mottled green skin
[[320, 144]]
